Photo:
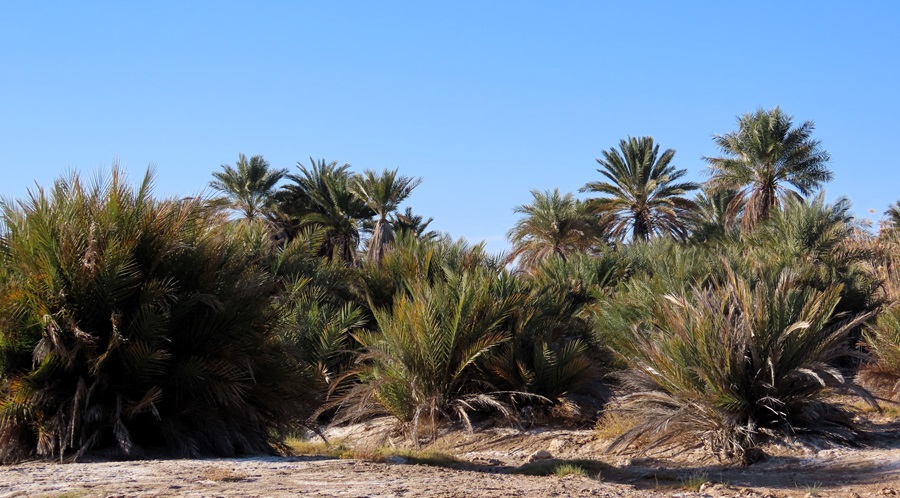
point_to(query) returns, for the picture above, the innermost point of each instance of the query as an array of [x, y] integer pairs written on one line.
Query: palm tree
[[413, 224], [322, 197], [745, 357], [765, 159], [882, 376], [421, 365], [893, 216], [821, 243], [383, 194], [715, 214], [129, 322], [249, 185], [554, 225], [643, 196]]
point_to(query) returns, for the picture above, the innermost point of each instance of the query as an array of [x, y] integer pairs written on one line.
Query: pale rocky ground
[[488, 458]]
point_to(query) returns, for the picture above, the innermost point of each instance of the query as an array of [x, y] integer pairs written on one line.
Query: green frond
[[423, 362]]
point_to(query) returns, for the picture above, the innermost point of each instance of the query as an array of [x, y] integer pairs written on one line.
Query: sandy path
[[845, 473], [280, 477], [490, 457]]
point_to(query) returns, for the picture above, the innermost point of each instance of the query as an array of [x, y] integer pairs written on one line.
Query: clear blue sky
[[484, 100]]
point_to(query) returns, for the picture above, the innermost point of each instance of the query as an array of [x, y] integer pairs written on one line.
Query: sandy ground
[[488, 464]]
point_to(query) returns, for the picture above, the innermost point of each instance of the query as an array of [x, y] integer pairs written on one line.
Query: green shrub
[[819, 241], [130, 322], [563, 468], [320, 330], [411, 260], [421, 364], [550, 353], [737, 360], [695, 481], [883, 341]]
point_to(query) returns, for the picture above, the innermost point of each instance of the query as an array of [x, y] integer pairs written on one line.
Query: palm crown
[[644, 196], [383, 193], [554, 225], [321, 197], [248, 185], [893, 215], [764, 158]]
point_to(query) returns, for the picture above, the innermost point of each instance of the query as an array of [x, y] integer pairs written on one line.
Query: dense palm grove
[[728, 313]]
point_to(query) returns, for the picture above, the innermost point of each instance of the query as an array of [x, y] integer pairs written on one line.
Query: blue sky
[[484, 100]]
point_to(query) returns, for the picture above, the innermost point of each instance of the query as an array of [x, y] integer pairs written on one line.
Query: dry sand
[[488, 460]]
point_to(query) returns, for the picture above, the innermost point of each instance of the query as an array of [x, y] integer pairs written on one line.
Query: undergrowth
[[562, 468]]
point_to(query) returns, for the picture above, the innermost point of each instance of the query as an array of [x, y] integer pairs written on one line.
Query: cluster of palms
[[740, 307], [766, 162], [327, 197], [219, 326]]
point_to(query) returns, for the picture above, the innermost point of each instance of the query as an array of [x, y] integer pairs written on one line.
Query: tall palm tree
[[554, 224], [322, 197], [644, 196], [383, 193], [766, 160], [249, 185]]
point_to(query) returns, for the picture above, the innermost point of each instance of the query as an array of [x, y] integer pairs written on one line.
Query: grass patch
[[889, 409], [695, 481], [562, 468], [811, 490], [612, 425], [410, 456], [318, 448], [416, 457], [568, 469]]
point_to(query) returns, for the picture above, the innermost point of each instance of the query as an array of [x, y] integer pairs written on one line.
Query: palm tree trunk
[[381, 237]]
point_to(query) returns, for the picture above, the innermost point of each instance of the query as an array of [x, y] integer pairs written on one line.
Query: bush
[[411, 260], [132, 323], [735, 361], [821, 242], [320, 331], [421, 364], [551, 353], [883, 340]]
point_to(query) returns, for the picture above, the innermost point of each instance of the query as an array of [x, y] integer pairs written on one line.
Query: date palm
[[132, 323], [421, 365], [882, 376], [715, 215], [893, 215], [248, 185], [383, 193], [554, 225], [414, 225], [766, 160], [322, 197], [643, 194], [736, 361]]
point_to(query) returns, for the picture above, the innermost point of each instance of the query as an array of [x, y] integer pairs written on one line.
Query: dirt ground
[[490, 464]]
